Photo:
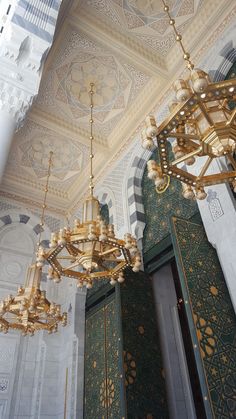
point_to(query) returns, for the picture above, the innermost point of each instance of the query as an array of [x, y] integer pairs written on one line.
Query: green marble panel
[[104, 211], [144, 375], [159, 208], [211, 312]]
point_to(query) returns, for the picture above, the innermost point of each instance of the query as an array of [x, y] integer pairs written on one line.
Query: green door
[[210, 314]]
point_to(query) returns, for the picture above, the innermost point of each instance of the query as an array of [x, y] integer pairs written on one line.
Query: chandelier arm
[[186, 55], [205, 113], [73, 250], [73, 265], [232, 117], [113, 260], [204, 168], [66, 257], [186, 136], [232, 160], [186, 156], [108, 251], [194, 145]]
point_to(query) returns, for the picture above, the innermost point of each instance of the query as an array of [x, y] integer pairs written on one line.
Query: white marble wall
[[33, 369]]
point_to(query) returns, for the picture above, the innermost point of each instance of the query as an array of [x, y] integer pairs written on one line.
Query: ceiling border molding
[[30, 204], [120, 43], [68, 129], [38, 187]]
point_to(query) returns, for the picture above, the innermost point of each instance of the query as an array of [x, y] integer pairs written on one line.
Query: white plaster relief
[[14, 101], [4, 384], [143, 19], [215, 207]]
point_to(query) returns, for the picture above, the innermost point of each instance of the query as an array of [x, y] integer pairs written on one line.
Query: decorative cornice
[[14, 101], [31, 204], [121, 43], [69, 129], [35, 185]]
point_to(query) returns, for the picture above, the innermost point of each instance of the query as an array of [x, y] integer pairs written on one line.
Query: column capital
[[15, 102]]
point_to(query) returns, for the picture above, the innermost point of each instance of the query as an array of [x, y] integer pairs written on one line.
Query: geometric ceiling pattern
[[30, 154], [79, 61], [125, 47], [144, 19]]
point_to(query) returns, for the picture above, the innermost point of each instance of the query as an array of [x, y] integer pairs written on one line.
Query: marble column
[[24, 44], [14, 103]]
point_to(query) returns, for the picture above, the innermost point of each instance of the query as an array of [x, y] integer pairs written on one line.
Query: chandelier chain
[[44, 206], [91, 185], [178, 37]]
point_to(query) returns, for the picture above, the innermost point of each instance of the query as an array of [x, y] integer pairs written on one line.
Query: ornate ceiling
[[127, 49]]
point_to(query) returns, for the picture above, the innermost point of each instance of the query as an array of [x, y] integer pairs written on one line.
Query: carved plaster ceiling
[[126, 48], [78, 61], [143, 19]]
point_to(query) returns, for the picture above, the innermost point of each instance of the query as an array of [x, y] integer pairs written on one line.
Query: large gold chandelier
[[90, 251], [30, 311], [201, 125]]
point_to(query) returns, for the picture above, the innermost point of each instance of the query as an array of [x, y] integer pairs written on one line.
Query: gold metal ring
[[162, 188]]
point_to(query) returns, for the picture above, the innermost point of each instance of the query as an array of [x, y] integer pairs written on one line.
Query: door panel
[[210, 315], [104, 397]]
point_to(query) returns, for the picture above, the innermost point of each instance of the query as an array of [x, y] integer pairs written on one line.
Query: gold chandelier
[[30, 310], [90, 251], [201, 125]]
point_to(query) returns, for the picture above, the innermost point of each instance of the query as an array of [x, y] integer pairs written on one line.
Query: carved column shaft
[[25, 40]]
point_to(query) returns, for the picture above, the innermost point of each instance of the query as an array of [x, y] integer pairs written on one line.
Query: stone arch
[[30, 230], [132, 191], [221, 56], [31, 221]]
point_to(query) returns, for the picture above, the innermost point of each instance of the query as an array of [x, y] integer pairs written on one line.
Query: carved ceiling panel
[[77, 62], [143, 19], [125, 47], [29, 156]]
